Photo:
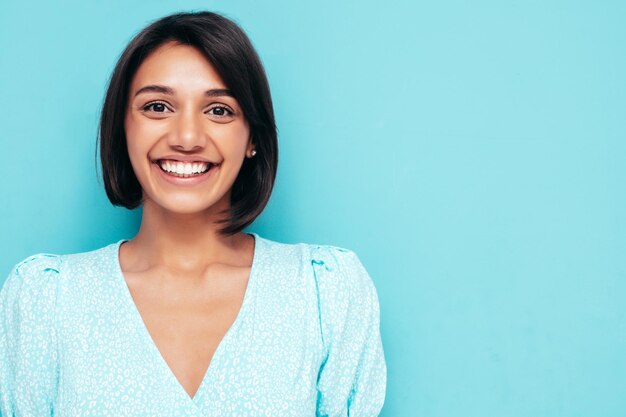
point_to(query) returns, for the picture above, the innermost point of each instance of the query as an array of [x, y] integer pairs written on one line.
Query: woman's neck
[[187, 243]]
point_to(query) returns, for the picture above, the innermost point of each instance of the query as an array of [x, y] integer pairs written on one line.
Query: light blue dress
[[306, 341]]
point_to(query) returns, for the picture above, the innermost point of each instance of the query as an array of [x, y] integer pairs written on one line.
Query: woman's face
[[187, 137]]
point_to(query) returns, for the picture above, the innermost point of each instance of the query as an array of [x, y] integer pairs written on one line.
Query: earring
[[252, 153]]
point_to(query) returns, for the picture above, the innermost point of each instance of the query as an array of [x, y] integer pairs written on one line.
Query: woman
[[192, 316]]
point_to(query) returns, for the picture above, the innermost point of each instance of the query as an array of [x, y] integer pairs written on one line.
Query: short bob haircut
[[231, 53]]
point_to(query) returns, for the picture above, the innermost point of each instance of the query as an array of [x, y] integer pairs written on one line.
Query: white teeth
[[185, 169]]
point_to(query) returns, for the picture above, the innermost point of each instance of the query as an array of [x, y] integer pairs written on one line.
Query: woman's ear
[[250, 149]]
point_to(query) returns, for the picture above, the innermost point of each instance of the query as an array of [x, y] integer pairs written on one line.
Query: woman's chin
[[183, 206]]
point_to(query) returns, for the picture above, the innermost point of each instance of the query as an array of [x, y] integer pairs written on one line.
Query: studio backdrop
[[473, 154]]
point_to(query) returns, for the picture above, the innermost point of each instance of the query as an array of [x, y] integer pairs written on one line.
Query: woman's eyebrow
[[218, 92], [155, 89], [215, 92]]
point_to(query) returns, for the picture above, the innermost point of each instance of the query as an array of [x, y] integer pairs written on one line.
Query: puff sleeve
[[353, 374], [28, 345]]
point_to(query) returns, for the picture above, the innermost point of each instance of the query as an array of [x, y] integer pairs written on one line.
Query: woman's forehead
[[181, 68]]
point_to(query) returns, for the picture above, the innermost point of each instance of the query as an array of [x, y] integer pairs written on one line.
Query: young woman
[[192, 316]]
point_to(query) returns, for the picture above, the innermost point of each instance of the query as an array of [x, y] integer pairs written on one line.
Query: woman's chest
[[187, 322], [266, 361]]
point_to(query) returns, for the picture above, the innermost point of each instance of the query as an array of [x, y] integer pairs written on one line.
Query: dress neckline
[[142, 329]]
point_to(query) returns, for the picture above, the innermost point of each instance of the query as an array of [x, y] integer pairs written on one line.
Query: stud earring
[[252, 153]]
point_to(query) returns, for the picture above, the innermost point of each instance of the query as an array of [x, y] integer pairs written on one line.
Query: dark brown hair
[[231, 53]]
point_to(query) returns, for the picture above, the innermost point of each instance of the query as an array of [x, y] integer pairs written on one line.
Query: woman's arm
[[353, 376], [28, 339]]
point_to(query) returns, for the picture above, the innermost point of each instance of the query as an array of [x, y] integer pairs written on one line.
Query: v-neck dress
[[305, 342]]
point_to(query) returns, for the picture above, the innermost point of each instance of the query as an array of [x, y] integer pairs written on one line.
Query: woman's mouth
[[185, 173], [184, 169]]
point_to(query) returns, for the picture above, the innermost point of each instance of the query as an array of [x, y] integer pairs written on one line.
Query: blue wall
[[472, 153]]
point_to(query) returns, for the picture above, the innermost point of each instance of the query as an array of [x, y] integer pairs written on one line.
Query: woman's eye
[[155, 107], [220, 111]]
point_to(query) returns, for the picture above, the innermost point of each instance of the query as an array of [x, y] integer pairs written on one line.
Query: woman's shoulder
[[37, 263], [45, 268], [35, 270], [305, 252], [347, 301], [331, 265], [28, 294]]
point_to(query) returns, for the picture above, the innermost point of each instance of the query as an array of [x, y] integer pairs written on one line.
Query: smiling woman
[[191, 316], [180, 103]]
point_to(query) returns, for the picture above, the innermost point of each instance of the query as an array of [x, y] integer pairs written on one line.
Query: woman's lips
[[193, 179]]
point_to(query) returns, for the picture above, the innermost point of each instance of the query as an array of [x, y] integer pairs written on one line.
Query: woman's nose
[[188, 131]]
